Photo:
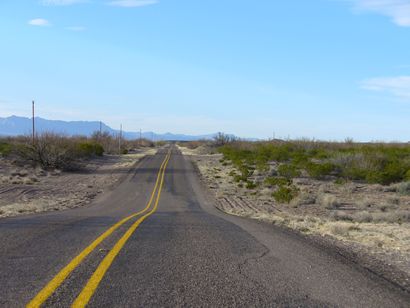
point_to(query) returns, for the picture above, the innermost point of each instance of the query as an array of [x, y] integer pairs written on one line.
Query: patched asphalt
[[186, 254]]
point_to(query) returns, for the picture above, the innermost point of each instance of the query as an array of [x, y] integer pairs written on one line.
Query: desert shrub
[[391, 173], [341, 229], [319, 170], [251, 185], [221, 139], [50, 151], [328, 201], [407, 175], [393, 217], [341, 215], [90, 149], [404, 188], [303, 198], [288, 171], [238, 178], [363, 216], [373, 163], [285, 194], [53, 151], [5, 148]]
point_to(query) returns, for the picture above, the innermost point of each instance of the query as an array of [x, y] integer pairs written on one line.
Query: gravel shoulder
[[382, 246], [25, 190]]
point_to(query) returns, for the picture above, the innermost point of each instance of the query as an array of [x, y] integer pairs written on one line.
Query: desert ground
[[24, 189], [367, 221]]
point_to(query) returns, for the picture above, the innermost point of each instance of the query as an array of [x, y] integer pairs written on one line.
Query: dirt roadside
[[25, 190], [382, 246]]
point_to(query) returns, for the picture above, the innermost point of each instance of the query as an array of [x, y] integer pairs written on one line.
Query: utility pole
[[34, 128], [140, 137], [119, 141], [100, 128]]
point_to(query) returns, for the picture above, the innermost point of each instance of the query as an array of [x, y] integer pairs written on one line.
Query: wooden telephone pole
[[119, 141], [34, 128]]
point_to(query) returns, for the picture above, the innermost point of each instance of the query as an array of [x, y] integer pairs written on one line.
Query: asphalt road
[[186, 253]]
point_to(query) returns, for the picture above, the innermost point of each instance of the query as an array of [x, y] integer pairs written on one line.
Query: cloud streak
[[132, 3], [397, 10], [397, 86], [39, 22]]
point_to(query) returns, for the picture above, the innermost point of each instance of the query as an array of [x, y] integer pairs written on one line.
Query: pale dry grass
[[328, 201]]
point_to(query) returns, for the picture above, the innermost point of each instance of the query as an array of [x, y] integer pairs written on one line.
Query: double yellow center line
[[92, 284]]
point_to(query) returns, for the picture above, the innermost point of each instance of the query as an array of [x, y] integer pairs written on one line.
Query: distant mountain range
[[14, 126]]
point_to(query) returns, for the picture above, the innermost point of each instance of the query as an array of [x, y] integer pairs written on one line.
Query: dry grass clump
[[399, 217], [342, 228], [328, 201], [304, 198], [362, 217], [364, 203], [403, 188]]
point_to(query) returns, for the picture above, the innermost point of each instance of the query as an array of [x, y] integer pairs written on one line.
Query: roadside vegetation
[[55, 151], [355, 192], [281, 162]]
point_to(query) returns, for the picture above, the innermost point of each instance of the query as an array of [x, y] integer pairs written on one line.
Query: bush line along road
[[157, 240]]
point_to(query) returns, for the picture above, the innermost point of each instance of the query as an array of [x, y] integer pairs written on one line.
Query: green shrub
[[373, 163], [90, 149], [285, 194], [318, 171], [288, 171], [237, 178], [391, 173], [251, 185], [5, 148], [407, 175], [340, 181]]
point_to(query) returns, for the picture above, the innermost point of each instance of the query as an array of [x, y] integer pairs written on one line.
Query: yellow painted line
[[92, 284], [49, 289]]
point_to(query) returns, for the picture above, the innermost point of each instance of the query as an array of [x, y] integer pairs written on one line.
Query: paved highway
[[157, 240]]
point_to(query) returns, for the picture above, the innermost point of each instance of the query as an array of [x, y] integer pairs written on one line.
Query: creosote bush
[[285, 194], [53, 151], [371, 162], [90, 149], [5, 148]]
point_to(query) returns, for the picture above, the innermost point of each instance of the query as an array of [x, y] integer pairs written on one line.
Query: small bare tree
[[221, 139]]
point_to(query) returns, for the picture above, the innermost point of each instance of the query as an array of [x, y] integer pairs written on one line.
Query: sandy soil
[[27, 190], [362, 218]]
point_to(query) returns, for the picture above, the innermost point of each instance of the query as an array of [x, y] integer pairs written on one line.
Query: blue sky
[[325, 69]]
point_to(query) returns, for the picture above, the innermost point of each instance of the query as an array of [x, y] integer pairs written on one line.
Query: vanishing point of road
[[157, 240]]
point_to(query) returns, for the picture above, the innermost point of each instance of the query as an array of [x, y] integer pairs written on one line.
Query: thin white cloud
[[397, 10], [40, 22], [60, 2], [132, 3], [398, 86], [75, 28]]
